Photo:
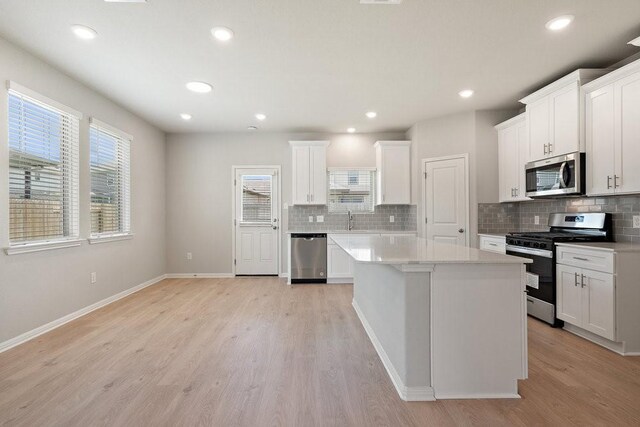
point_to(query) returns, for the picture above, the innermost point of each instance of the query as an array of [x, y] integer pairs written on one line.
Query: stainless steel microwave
[[556, 176]]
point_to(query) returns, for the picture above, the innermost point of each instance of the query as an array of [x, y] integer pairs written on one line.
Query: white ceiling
[[319, 65]]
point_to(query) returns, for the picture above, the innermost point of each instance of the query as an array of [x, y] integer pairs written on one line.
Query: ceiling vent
[[635, 42], [380, 1]]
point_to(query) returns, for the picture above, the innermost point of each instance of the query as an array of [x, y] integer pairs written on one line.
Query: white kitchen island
[[448, 322]]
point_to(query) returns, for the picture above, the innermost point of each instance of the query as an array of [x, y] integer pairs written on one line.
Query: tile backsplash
[[506, 217], [405, 219]]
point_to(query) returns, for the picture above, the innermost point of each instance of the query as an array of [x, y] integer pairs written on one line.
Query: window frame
[[348, 172], [70, 179], [125, 184]]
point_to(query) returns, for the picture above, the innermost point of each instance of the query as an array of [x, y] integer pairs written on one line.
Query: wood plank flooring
[[256, 352]]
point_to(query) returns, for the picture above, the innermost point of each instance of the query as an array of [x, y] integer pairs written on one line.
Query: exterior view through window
[[351, 190], [256, 199]]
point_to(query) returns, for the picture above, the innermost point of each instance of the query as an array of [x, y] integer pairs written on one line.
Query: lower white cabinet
[[496, 244], [339, 263], [586, 298]]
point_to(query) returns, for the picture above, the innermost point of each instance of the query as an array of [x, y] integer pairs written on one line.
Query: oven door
[[557, 176], [541, 279]]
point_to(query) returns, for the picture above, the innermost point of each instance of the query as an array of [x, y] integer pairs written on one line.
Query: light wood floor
[[254, 352]]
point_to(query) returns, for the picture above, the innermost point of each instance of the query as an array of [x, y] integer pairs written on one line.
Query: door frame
[[278, 197], [465, 157]]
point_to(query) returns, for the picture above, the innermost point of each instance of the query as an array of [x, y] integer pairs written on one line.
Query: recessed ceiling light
[[223, 34], [635, 42], [371, 114], [351, 130], [557, 24], [467, 93], [261, 116], [83, 32], [252, 128], [185, 116], [199, 87]]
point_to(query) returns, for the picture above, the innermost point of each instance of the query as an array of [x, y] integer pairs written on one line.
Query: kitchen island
[[448, 322]]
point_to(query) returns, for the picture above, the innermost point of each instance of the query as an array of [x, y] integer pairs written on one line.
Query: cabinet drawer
[[585, 258], [493, 244]]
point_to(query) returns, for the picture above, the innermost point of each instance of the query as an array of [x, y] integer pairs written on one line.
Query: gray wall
[[200, 191], [471, 133], [37, 288]]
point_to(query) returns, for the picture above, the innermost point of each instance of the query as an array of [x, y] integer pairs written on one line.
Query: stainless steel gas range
[[540, 247]]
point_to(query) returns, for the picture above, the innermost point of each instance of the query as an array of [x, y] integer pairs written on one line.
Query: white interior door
[[446, 200], [256, 222]]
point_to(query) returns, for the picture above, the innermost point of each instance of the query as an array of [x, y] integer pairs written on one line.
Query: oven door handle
[[530, 251]]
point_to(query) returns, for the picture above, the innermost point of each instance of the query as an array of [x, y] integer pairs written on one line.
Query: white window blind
[[351, 190], [43, 169], [256, 199], [110, 180]]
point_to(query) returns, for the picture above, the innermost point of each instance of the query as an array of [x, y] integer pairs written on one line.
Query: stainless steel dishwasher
[[308, 258]]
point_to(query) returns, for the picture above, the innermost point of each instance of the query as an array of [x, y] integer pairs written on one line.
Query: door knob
[[461, 230], [275, 227]]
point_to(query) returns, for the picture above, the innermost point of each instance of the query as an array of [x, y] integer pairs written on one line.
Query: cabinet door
[[395, 175], [339, 263], [318, 172], [565, 115], [600, 132], [627, 153], [538, 125], [523, 157], [569, 294], [300, 175], [507, 161], [598, 308]]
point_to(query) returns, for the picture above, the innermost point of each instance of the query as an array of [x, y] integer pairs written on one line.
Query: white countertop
[[416, 250], [352, 232], [604, 246], [503, 235]]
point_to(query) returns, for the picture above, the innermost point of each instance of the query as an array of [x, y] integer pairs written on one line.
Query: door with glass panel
[[256, 222]]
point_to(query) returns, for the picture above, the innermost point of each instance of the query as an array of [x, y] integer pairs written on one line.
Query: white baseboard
[[284, 275], [200, 275], [20, 339], [411, 394], [340, 281], [479, 396], [616, 347]]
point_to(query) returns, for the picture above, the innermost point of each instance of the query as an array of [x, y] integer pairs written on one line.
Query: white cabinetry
[[309, 172], [339, 263], [553, 116], [393, 175], [612, 129], [513, 152], [598, 293], [496, 244]]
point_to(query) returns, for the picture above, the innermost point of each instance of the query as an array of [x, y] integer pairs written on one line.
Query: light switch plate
[[310, 218], [320, 218], [636, 221], [536, 220], [94, 277], [189, 255], [392, 218]]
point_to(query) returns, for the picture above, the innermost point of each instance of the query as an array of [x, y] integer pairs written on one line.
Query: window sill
[[106, 239], [42, 246]]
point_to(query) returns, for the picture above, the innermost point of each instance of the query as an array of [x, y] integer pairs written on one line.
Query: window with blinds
[[43, 170], [351, 190], [256, 199], [109, 157]]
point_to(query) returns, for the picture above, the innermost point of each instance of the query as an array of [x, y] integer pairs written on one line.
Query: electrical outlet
[[392, 218], [94, 277], [536, 220], [636, 221], [320, 218], [189, 256], [310, 218]]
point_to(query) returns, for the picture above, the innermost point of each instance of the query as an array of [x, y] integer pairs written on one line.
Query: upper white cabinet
[[393, 176], [309, 172], [513, 152], [553, 116], [612, 129]]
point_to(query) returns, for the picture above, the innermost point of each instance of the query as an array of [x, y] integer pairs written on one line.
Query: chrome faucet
[[349, 221]]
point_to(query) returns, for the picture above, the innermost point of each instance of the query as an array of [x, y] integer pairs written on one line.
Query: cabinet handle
[[582, 281], [580, 259], [517, 191], [312, 197], [615, 181], [545, 149], [550, 149], [493, 244], [576, 279], [608, 182], [307, 198]]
